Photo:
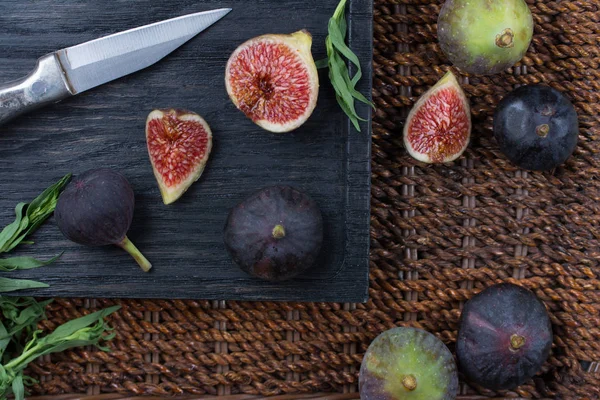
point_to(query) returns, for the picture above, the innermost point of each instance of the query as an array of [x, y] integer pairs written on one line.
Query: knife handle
[[44, 85]]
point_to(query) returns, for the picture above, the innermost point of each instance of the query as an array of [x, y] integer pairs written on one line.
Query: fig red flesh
[[179, 144], [255, 91], [438, 128], [273, 80]]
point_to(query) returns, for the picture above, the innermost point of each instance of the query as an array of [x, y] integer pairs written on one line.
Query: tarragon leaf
[[29, 216], [4, 339], [83, 331], [69, 328], [18, 388], [21, 314], [339, 75], [18, 263], [42, 206], [11, 285], [11, 229], [323, 63]]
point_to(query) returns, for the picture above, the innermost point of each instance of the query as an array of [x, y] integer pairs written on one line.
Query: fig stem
[[279, 232], [542, 130], [129, 247], [516, 342], [409, 382], [505, 39]]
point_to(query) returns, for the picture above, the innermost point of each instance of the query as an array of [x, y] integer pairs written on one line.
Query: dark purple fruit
[[536, 127], [96, 209], [504, 337], [275, 234], [408, 363]]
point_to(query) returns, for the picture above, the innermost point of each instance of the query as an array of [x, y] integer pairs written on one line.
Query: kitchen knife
[[73, 70]]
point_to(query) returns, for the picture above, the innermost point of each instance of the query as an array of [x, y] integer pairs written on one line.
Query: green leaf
[[5, 384], [29, 381], [339, 10], [42, 206], [348, 112], [323, 63], [337, 39], [18, 388], [22, 226], [22, 314], [10, 230], [18, 316], [5, 339], [18, 263], [73, 326], [47, 199], [339, 74], [11, 285], [75, 333], [30, 216], [341, 19]]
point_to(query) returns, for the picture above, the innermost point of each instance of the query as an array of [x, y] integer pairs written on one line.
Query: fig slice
[[438, 127], [274, 81], [179, 145]]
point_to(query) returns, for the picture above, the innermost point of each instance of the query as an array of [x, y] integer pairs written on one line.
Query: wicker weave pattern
[[440, 234]]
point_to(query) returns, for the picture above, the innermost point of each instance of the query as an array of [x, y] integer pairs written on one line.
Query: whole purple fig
[[96, 209]]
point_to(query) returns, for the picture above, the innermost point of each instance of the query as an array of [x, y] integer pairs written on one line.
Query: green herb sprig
[[339, 75], [20, 318], [28, 218]]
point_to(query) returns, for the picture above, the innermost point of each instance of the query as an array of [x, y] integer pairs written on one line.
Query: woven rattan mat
[[439, 235]]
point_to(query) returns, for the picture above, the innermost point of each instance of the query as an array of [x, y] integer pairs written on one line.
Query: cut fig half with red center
[[438, 128], [274, 81], [179, 145]]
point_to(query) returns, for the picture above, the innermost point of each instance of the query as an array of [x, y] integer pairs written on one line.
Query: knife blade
[[70, 71]]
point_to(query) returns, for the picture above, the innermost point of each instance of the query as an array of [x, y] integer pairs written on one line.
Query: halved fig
[[438, 127], [274, 81], [179, 144]]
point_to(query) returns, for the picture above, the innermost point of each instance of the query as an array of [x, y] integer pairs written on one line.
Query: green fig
[[485, 37]]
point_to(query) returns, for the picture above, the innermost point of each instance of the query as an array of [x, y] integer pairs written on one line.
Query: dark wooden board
[[105, 127]]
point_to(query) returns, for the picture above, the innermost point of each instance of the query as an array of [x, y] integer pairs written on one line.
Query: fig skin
[[504, 337], [96, 209], [275, 234], [408, 363], [271, 82], [438, 127], [485, 36], [536, 127]]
